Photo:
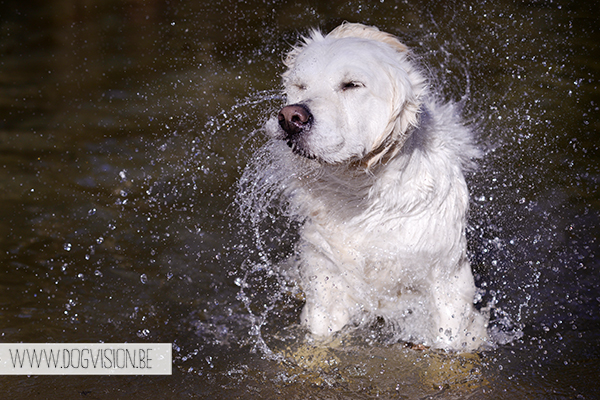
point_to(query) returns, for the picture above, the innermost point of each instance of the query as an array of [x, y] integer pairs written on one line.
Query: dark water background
[[125, 124]]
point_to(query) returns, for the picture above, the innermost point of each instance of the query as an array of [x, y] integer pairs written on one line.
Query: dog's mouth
[[299, 150]]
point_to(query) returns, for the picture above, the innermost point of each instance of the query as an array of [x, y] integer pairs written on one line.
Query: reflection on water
[[125, 125]]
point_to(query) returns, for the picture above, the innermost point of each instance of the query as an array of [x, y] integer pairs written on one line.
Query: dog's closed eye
[[299, 86], [351, 85]]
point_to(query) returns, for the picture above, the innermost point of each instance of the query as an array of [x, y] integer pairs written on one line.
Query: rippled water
[[125, 127]]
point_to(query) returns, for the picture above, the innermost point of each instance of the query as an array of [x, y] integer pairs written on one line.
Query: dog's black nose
[[294, 118]]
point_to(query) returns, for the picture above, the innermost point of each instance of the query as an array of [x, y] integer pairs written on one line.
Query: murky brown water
[[124, 126]]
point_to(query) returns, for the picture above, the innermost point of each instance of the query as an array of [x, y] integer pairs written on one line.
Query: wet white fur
[[384, 199]]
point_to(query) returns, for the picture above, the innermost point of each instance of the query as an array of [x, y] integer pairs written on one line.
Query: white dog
[[375, 171]]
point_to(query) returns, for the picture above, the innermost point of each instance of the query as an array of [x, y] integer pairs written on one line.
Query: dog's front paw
[[324, 321]]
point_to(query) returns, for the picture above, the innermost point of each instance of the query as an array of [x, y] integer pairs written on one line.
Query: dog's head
[[352, 95]]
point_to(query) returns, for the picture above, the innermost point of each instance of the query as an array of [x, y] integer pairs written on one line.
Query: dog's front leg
[[458, 324], [329, 306]]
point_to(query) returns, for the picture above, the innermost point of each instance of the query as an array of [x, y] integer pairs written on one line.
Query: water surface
[[125, 125]]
